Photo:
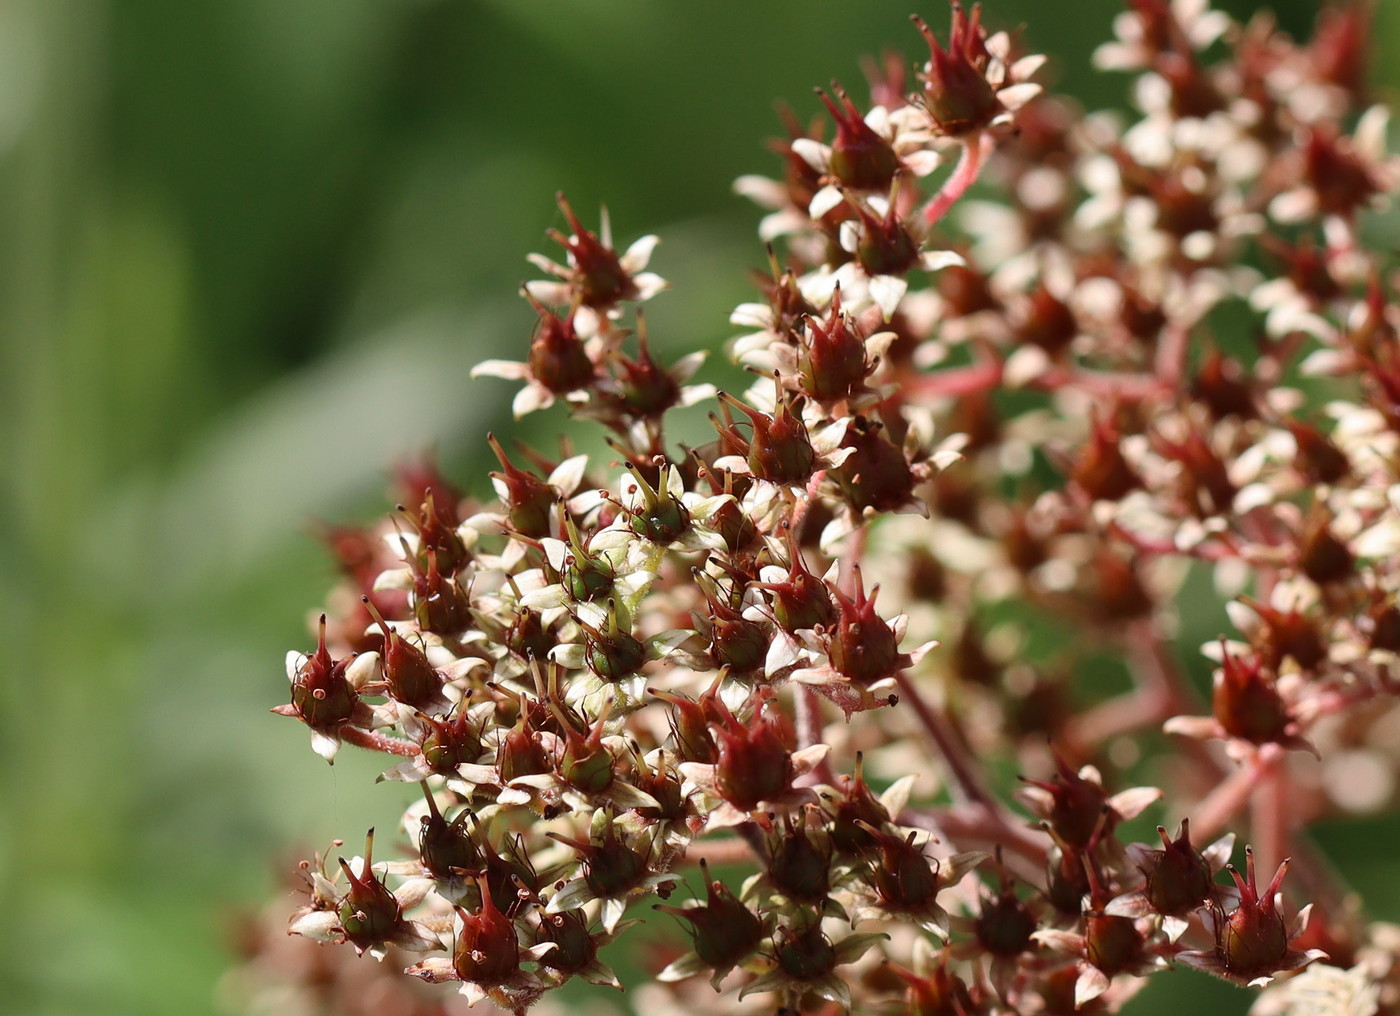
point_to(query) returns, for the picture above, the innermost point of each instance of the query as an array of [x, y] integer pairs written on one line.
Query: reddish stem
[[958, 381], [964, 175], [378, 742], [966, 786]]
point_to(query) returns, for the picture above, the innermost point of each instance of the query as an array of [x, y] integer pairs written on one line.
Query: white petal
[[637, 255], [812, 152], [825, 200]]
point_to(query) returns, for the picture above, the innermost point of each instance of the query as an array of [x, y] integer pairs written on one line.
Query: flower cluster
[[1163, 356]]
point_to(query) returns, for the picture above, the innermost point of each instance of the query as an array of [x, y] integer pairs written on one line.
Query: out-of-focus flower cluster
[[1162, 355]]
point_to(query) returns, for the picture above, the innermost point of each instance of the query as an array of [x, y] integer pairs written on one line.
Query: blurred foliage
[[250, 250]]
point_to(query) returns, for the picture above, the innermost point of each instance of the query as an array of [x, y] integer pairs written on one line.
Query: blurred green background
[[251, 249]]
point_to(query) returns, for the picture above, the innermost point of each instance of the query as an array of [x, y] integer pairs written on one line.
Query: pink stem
[[966, 786], [1133, 387], [969, 167], [1270, 810], [1213, 814], [1171, 355], [378, 742], [808, 721], [955, 381]]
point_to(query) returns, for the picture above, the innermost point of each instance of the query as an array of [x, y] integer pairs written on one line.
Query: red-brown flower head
[[956, 93]]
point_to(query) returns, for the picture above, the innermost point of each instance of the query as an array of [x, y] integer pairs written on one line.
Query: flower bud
[[939, 993], [664, 786], [833, 363], [1079, 813], [860, 158], [321, 695], [661, 518], [369, 912], [956, 93], [527, 636], [557, 358], [487, 951], [1180, 878], [1247, 704], [585, 763], [437, 533], [862, 646], [1101, 470], [801, 601], [1048, 323], [858, 811], [1206, 482], [1319, 459], [1253, 939], [587, 576], [1384, 616], [529, 500], [1005, 924], [690, 724], [1337, 174], [644, 388], [614, 652], [735, 641], [446, 848], [902, 877], [448, 743], [611, 867], [1219, 384], [520, 752], [1111, 943], [408, 676], [1285, 635], [886, 246], [779, 450], [755, 761], [575, 946], [798, 867], [805, 954], [1340, 45], [440, 605], [599, 277], [876, 474], [1323, 557], [723, 929]]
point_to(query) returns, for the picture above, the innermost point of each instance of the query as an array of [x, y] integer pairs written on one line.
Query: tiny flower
[[1247, 706], [596, 277], [408, 676], [615, 870], [862, 650], [906, 882], [371, 916], [858, 158], [1004, 930], [1076, 806], [325, 693], [724, 932], [558, 363], [756, 765], [969, 85], [1110, 945], [1252, 940], [486, 956], [531, 503], [367, 914], [805, 959], [1180, 879], [641, 391]]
